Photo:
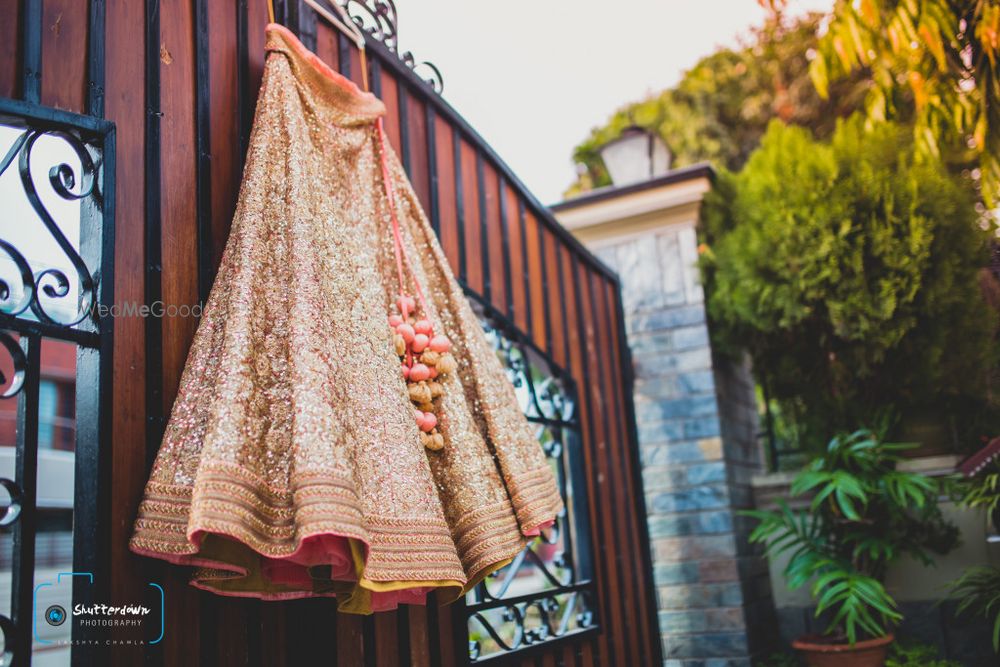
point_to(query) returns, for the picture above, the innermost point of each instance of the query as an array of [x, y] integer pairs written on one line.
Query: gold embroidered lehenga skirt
[[291, 465]]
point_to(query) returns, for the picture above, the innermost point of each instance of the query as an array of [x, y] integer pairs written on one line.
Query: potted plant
[[977, 591], [864, 513]]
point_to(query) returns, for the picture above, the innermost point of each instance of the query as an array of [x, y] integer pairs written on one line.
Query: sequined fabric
[[291, 465]]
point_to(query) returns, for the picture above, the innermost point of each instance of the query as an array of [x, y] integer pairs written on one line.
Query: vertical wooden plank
[[447, 214], [231, 632], [226, 169], [178, 182], [179, 261], [420, 650], [600, 514], [256, 19], [390, 97], [517, 269], [386, 640], [64, 54], [327, 44], [609, 447], [568, 658], [449, 627], [402, 112], [268, 633], [125, 47], [416, 112], [456, 142], [486, 198], [10, 51], [494, 247], [505, 248], [355, 56], [558, 324], [472, 227], [350, 639], [537, 281]]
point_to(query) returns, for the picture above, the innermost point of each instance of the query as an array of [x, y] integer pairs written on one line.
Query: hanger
[[343, 23]]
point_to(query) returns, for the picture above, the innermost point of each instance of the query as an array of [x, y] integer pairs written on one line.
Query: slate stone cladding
[[697, 424]]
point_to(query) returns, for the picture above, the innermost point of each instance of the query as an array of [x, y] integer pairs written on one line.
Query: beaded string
[[424, 355]]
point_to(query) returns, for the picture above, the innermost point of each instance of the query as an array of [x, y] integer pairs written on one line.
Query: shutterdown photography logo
[[57, 619]]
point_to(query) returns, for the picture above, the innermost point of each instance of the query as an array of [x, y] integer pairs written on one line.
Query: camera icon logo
[[55, 615]]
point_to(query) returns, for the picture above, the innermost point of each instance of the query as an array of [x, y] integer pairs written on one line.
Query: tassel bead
[[406, 331], [419, 372], [440, 344]]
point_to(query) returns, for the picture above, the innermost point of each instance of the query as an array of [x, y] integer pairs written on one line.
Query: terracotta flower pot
[[824, 652]]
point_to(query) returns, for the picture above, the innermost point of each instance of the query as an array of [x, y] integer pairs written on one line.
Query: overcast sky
[[534, 77]]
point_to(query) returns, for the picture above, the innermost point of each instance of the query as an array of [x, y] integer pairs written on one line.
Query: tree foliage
[[943, 53], [848, 270], [721, 107]]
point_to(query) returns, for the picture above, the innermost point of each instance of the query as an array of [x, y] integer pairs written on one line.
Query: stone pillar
[[697, 424]]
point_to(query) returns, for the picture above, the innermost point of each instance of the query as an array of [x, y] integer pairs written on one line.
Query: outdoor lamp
[[636, 155]]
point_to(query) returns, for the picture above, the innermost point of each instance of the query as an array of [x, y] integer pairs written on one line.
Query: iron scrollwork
[[51, 282], [57, 180], [20, 363], [378, 19], [545, 593]]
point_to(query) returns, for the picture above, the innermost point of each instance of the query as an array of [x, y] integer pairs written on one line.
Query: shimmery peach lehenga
[[291, 465]]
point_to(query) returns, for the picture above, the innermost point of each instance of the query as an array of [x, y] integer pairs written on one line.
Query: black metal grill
[[547, 592], [64, 303]]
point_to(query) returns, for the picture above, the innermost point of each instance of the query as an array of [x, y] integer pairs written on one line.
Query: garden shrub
[[848, 269]]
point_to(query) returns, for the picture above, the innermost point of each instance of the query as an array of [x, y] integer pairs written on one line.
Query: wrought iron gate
[[547, 593], [56, 285]]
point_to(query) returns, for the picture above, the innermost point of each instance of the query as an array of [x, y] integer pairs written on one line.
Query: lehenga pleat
[[291, 465]]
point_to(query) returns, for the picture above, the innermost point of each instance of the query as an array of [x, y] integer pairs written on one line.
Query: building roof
[[700, 170]]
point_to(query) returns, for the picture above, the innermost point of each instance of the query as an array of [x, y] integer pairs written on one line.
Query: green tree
[[848, 269], [942, 54], [721, 107]]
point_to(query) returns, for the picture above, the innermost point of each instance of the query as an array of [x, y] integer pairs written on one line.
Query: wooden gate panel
[[10, 52], [64, 31], [180, 82]]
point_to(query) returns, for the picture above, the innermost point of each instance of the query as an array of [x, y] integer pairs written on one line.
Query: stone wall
[[697, 433]]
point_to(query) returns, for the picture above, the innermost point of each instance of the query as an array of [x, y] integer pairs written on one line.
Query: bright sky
[[533, 77]]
